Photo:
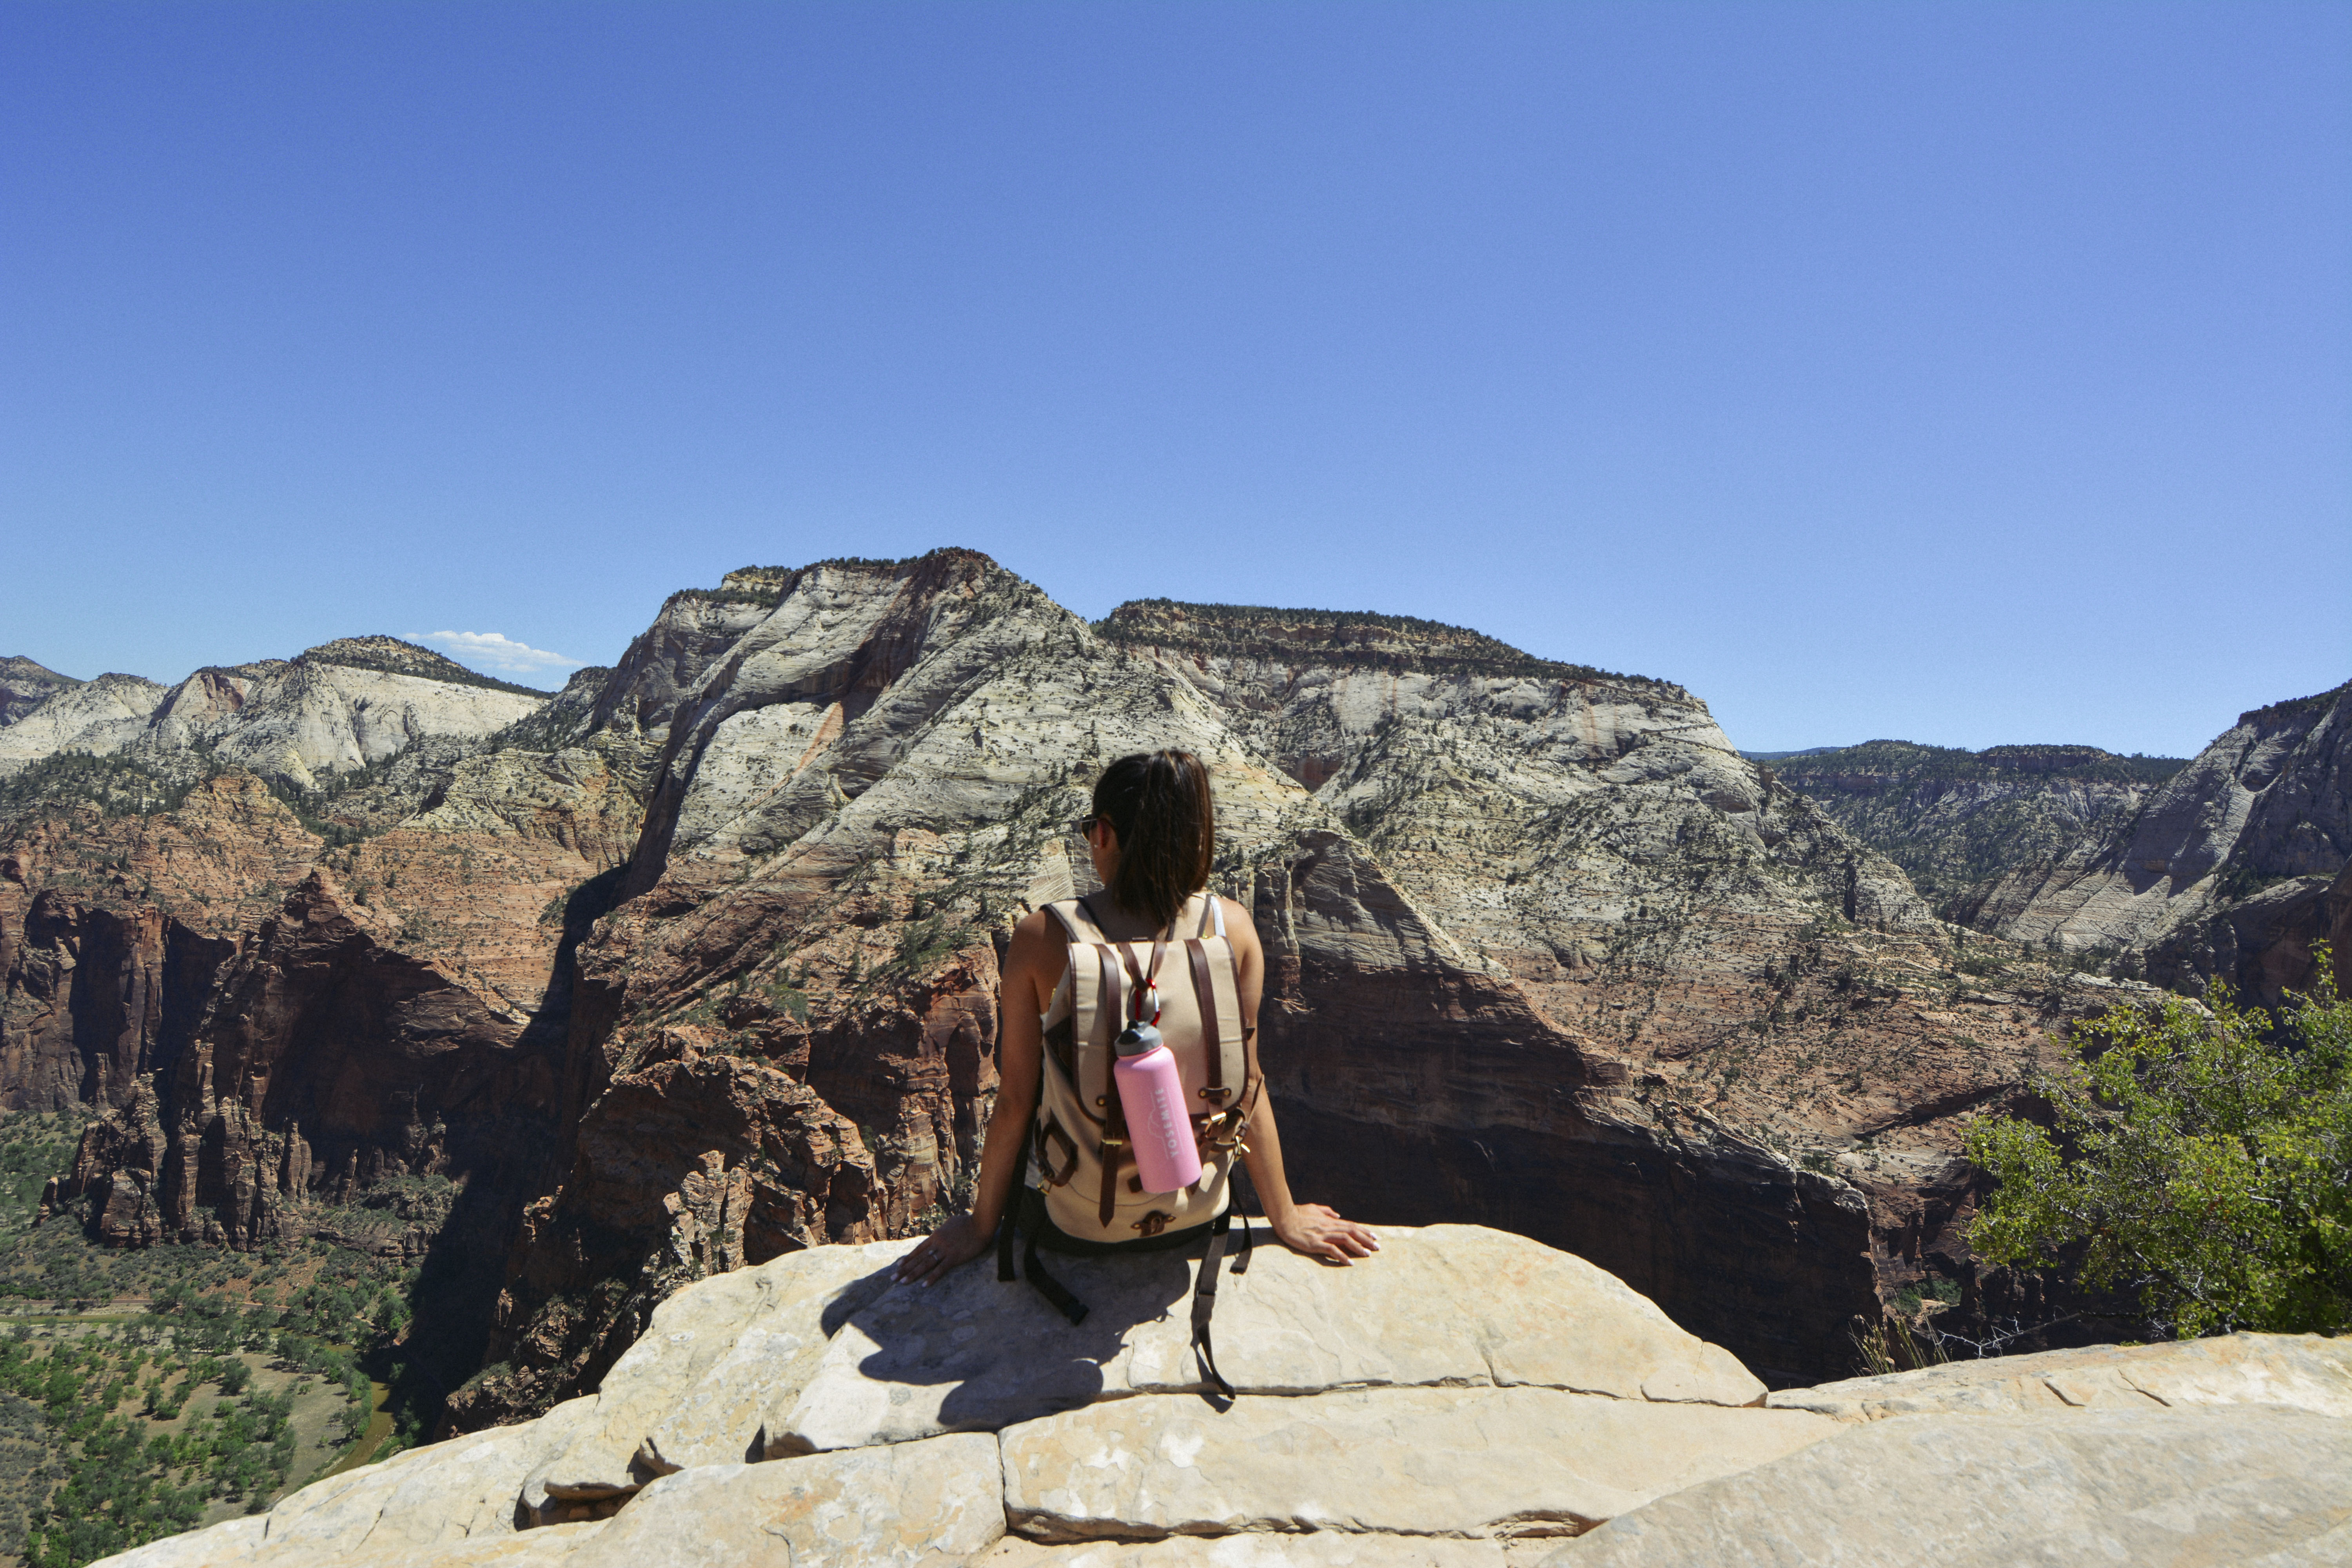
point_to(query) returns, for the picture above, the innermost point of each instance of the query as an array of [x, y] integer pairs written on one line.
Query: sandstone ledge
[[1465, 1400], [2182, 1488], [2302, 1372]]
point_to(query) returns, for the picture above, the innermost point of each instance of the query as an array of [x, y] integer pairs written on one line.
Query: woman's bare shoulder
[[1239, 924], [1038, 955], [1035, 937]]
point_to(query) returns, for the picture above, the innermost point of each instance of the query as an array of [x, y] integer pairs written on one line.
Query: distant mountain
[[332, 709], [393, 656], [697, 961], [1958, 821], [25, 686], [2232, 869]]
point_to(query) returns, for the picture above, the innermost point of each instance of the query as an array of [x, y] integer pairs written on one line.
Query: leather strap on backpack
[[1143, 979], [1114, 1141], [1005, 1222], [1204, 1296], [1204, 991], [1052, 1289]]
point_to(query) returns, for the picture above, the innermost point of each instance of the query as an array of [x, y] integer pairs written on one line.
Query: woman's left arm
[[1308, 1228]]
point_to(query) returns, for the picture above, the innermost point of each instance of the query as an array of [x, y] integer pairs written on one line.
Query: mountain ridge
[[1360, 636], [1957, 821], [721, 943], [396, 656], [2232, 869]]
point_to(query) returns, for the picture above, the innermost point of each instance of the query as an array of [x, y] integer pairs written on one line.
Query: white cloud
[[496, 651]]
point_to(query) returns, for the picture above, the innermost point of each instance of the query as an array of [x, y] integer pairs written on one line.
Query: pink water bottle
[[1152, 1092]]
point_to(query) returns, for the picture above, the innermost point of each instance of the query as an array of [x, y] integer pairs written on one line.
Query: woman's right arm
[[1032, 970]]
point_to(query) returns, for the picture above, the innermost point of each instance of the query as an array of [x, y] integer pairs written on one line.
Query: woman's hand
[[949, 1247], [1315, 1231]]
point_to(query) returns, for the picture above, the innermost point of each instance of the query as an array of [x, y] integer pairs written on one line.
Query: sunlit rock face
[[25, 685], [696, 964], [1541, 943], [1466, 1399], [1958, 821], [2225, 873], [339, 706], [98, 716]]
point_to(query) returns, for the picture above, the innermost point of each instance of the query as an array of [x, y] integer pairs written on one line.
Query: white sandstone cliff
[[1467, 1397]]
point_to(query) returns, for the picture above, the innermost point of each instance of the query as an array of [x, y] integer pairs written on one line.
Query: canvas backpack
[[1088, 1194]]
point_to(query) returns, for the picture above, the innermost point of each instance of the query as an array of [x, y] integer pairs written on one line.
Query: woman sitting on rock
[[1100, 994]]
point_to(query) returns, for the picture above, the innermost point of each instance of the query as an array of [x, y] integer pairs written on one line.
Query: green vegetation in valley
[[33, 1146], [205, 1382], [2200, 1158], [140, 1435]]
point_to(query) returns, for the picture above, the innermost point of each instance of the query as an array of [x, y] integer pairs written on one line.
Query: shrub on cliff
[[2201, 1157]]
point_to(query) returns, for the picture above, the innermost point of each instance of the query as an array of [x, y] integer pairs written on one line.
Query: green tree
[[2202, 1158]]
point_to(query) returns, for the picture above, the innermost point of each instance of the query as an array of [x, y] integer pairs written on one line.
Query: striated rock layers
[[1466, 1399], [1546, 954], [25, 686], [342, 705], [2225, 873], [278, 1015], [1957, 821], [696, 964], [1738, 975]]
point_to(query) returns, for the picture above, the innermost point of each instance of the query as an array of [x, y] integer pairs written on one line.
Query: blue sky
[[1964, 374]]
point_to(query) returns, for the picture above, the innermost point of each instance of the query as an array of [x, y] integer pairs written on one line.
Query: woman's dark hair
[[1158, 804]]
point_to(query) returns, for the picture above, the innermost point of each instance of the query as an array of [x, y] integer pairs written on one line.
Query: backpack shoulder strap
[[1213, 915], [1205, 991], [1076, 923]]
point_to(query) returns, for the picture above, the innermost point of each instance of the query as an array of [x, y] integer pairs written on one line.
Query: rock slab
[[1464, 1400], [1434, 1461], [2302, 1372], [1443, 1305], [2187, 1488]]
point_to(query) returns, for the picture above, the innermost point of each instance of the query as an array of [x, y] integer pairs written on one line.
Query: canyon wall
[[1545, 952], [1743, 979], [695, 963], [1959, 821], [2224, 873], [304, 942]]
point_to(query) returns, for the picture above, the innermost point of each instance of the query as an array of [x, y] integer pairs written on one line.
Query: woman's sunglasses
[[1087, 826]]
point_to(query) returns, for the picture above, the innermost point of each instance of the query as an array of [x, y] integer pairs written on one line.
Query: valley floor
[[147, 1391]]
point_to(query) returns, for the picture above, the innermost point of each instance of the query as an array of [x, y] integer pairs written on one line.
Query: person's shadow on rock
[[1009, 1356]]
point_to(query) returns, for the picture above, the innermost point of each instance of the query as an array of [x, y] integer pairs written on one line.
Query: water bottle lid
[[1138, 1039]]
